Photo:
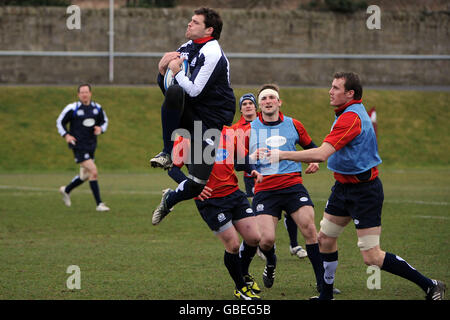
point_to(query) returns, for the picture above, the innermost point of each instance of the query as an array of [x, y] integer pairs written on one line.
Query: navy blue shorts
[[362, 202], [82, 155], [273, 202], [219, 213], [249, 186]]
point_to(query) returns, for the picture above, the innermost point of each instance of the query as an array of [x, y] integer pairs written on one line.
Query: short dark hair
[[352, 82], [84, 85], [212, 19]]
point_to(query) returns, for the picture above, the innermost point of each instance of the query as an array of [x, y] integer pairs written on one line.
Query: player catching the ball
[[201, 100]]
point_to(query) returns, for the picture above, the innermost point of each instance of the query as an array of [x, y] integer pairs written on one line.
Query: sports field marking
[[433, 217], [39, 189]]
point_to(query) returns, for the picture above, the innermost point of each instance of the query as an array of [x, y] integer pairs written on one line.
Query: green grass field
[[122, 256]]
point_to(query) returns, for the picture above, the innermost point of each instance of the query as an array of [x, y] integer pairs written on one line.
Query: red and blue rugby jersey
[[223, 180], [284, 180], [347, 128]]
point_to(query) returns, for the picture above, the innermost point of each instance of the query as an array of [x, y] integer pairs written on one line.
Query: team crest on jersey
[[88, 122], [184, 55], [95, 111], [221, 217], [221, 155]]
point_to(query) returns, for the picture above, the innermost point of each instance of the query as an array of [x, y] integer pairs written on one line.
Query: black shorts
[[273, 202], [203, 149], [249, 186], [82, 155], [362, 202], [202, 160], [219, 213]]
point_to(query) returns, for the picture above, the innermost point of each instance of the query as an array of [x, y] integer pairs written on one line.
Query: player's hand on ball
[[175, 65], [164, 62]]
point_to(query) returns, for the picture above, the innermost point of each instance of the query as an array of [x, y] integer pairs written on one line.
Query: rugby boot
[[161, 210], [269, 275], [161, 160], [245, 293], [66, 196], [298, 251], [437, 291], [251, 283]]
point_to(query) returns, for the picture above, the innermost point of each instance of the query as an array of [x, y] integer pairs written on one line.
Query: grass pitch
[[122, 256]]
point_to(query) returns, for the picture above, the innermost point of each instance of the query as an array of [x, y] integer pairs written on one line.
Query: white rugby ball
[[276, 141], [169, 78]]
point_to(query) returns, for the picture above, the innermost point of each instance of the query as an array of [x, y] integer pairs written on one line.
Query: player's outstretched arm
[[319, 154]]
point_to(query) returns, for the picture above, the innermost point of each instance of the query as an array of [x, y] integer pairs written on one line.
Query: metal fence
[[298, 56]]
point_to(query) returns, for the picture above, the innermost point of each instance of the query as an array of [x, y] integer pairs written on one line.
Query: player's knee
[[370, 250], [84, 173], [231, 243], [254, 240], [93, 174], [193, 187], [234, 247], [330, 229], [325, 241], [266, 242], [174, 97], [373, 257], [308, 228]]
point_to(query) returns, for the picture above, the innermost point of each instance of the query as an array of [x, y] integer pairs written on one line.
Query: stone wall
[[255, 31]]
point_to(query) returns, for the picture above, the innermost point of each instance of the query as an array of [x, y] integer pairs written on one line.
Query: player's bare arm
[[320, 154]]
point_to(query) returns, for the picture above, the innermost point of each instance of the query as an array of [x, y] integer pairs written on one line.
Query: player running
[[225, 208], [352, 154], [87, 120]]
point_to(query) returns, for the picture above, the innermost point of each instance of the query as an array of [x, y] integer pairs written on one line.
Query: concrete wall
[[255, 31]]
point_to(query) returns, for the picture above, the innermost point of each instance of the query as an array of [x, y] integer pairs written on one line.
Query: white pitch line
[[433, 203], [428, 203], [433, 217], [39, 189]]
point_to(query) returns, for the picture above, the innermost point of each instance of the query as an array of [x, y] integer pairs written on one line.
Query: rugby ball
[[276, 141], [169, 78]]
